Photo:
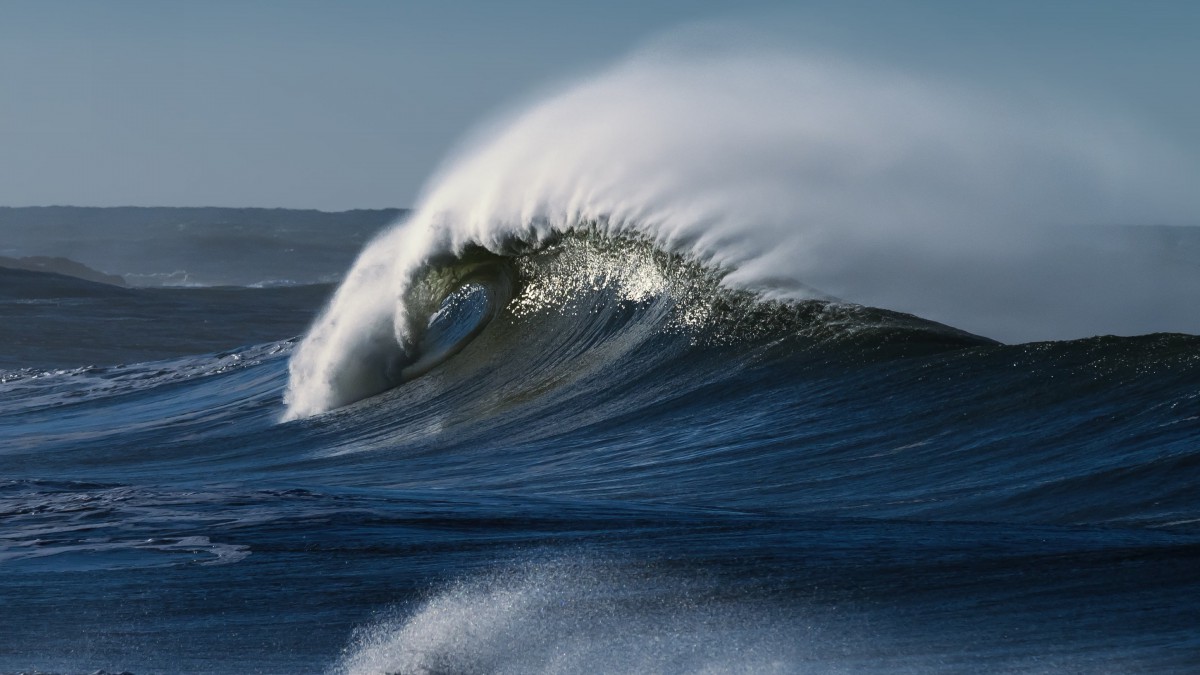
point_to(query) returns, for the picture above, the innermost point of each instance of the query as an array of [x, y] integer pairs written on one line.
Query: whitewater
[[712, 361], [791, 174]]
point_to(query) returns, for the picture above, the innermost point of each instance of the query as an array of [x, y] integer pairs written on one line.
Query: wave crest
[[867, 184]]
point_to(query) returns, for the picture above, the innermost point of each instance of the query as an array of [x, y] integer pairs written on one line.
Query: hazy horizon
[[202, 206], [309, 106]]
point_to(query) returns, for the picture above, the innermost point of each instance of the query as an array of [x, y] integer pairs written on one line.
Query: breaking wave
[[790, 178]]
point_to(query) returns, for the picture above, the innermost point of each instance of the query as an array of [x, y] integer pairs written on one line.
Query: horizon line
[[234, 208]]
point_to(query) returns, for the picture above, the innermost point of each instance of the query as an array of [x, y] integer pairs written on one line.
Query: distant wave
[[791, 178], [185, 279]]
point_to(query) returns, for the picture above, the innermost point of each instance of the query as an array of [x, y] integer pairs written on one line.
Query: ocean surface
[[713, 361], [592, 456]]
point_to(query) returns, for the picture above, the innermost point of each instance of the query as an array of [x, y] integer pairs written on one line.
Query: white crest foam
[[872, 185]]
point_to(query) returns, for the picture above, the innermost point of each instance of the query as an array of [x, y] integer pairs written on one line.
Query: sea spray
[[581, 615], [868, 184]]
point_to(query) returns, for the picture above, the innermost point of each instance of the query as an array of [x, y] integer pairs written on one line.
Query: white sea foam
[[876, 186], [572, 614], [571, 617]]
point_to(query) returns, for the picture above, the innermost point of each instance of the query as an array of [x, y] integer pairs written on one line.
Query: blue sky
[[352, 104]]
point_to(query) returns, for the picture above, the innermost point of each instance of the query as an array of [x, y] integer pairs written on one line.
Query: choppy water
[[608, 463]]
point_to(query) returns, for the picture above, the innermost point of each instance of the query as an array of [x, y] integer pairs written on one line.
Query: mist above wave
[[876, 186]]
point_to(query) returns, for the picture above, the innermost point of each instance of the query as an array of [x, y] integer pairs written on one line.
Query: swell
[[590, 368], [884, 421], [619, 372]]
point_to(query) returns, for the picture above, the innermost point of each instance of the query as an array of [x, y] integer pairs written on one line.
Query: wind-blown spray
[[870, 185]]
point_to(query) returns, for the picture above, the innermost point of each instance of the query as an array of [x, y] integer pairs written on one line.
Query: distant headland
[[188, 246], [63, 266]]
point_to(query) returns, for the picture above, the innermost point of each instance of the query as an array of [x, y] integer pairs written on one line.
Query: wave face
[[866, 185], [582, 294]]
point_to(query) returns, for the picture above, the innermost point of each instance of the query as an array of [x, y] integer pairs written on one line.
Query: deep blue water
[[690, 480]]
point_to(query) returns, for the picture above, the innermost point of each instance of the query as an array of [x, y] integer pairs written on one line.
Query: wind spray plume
[[871, 185]]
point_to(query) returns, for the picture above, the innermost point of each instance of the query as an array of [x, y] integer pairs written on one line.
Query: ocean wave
[[582, 294], [791, 177]]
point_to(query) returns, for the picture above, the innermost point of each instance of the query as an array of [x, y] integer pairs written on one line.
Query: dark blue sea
[[593, 456]]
